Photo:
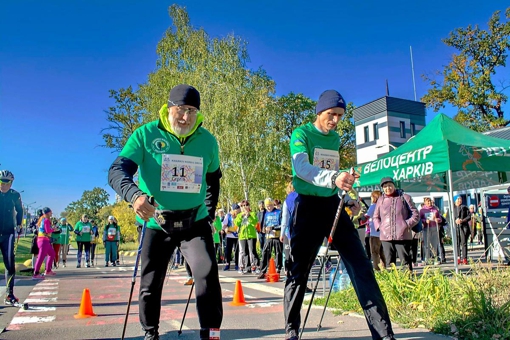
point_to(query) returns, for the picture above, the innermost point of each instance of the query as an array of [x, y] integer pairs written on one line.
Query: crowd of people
[[176, 196], [52, 238]]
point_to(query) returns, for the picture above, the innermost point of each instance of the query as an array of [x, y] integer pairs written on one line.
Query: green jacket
[[247, 226], [111, 232], [64, 235], [217, 227], [85, 229]]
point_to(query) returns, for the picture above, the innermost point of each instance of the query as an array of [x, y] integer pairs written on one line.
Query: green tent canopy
[[442, 145]]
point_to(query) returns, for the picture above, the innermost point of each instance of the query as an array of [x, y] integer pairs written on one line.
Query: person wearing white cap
[[110, 236]]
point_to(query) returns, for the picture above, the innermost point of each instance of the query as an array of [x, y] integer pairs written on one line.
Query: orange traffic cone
[[238, 295], [272, 275], [86, 310]]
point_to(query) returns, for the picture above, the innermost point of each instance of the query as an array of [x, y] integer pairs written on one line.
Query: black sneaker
[[292, 335], [88, 265], [389, 337], [78, 265], [151, 335], [11, 300]]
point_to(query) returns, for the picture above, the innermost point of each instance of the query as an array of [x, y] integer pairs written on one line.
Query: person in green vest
[[65, 228], [217, 226], [177, 192], [110, 239], [247, 221], [83, 231], [55, 243], [317, 180]]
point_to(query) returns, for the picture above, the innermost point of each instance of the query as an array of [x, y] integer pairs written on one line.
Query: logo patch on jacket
[[160, 145]]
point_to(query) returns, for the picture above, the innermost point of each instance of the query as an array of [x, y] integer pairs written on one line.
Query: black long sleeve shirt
[[11, 211]]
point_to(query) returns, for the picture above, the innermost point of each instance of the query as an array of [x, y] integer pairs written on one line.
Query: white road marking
[[263, 304], [19, 320], [42, 293], [175, 324], [262, 287], [36, 309], [45, 288], [47, 284], [43, 300], [230, 293]]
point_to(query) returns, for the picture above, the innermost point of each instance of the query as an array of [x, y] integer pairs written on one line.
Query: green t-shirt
[[55, 235], [64, 235], [185, 176], [307, 139], [85, 229]]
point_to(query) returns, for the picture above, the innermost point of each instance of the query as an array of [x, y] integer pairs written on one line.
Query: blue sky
[[58, 59]]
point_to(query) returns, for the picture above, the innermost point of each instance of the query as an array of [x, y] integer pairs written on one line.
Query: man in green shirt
[[317, 180], [178, 164]]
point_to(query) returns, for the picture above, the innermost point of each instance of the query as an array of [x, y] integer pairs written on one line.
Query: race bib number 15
[[181, 173], [326, 159]]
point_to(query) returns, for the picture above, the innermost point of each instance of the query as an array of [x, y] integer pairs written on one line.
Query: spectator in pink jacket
[[394, 216], [44, 244]]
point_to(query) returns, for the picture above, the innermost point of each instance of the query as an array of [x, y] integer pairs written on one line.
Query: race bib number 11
[[326, 159], [180, 173]]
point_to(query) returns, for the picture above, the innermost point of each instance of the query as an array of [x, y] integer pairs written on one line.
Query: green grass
[[25, 243], [473, 306], [22, 253], [100, 247]]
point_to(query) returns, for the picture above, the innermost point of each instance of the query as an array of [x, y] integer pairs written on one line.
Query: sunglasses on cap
[[5, 181]]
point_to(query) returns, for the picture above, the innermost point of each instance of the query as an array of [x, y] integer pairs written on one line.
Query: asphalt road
[[55, 301]]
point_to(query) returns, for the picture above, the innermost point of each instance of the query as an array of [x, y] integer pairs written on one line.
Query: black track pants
[[196, 245], [307, 234]]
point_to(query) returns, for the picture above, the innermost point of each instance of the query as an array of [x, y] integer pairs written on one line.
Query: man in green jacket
[[317, 180], [179, 166]]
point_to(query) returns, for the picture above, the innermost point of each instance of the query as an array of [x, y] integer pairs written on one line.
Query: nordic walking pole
[[170, 265], [186, 309], [330, 240], [133, 280], [319, 326]]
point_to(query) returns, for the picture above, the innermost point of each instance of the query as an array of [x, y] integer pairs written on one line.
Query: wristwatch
[[333, 178], [136, 195]]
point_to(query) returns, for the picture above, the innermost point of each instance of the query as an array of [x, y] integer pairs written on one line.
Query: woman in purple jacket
[[394, 216]]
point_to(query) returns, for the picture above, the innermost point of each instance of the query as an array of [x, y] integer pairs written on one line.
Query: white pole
[[453, 231], [412, 71]]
